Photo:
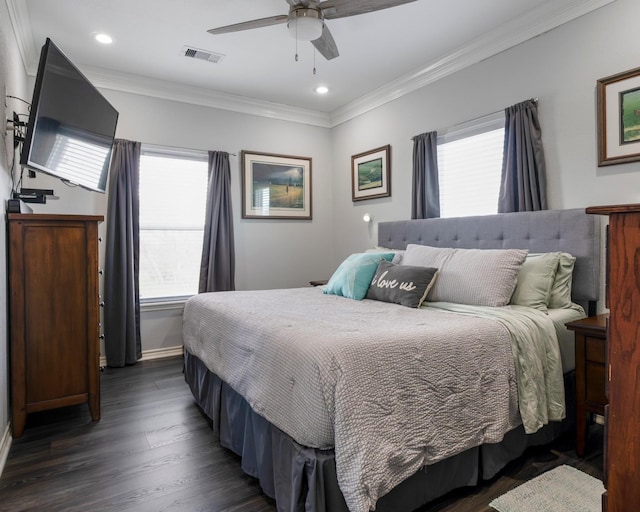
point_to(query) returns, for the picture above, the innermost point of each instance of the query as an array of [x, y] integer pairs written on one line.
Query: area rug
[[563, 489]]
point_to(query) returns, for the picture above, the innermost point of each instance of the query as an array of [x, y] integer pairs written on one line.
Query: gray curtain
[[122, 255], [523, 186], [425, 201], [217, 269]]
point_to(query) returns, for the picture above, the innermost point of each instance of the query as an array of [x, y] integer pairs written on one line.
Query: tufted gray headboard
[[571, 231]]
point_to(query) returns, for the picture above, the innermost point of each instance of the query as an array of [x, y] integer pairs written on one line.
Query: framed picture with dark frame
[[619, 118], [371, 174], [276, 186]]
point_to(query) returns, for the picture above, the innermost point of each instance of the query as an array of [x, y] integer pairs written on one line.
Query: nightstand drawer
[[595, 384], [595, 349]]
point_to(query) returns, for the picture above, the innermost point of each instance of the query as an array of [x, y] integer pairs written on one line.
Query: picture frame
[[619, 118], [371, 174], [276, 186]]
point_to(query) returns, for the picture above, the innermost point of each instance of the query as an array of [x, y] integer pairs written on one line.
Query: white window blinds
[[470, 166], [173, 188]]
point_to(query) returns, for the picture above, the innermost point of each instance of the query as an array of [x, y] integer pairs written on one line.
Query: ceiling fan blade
[[326, 45], [246, 25], [342, 8]]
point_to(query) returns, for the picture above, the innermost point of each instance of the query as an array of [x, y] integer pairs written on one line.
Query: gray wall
[[13, 81]]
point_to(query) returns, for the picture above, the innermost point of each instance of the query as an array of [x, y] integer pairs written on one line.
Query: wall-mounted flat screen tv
[[71, 125]]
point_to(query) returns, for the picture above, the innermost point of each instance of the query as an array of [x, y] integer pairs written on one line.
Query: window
[[470, 167], [173, 189]]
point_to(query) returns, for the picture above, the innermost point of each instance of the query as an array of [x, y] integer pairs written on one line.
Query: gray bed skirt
[[303, 479]]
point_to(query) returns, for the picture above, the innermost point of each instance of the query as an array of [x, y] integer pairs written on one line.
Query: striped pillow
[[479, 277]]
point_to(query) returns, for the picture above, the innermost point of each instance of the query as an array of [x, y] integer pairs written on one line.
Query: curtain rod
[[452, 128], [175, 149]]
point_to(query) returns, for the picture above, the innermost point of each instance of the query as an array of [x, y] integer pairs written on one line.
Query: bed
[[326, 425]]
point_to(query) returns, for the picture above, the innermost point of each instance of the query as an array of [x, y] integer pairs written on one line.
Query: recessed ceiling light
[[104, 38], [322, 89]]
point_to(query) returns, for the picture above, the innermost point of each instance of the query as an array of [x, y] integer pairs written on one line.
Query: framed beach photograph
[[619, 118], [371, 174], [275, 186]]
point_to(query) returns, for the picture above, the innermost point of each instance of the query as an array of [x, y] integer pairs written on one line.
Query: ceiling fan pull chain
[[296, 42], [314, 60]]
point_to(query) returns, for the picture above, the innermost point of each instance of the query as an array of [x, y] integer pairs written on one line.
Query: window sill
[[163, 305]]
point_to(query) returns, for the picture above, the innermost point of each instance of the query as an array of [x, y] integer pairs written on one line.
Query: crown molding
[[19, 17], [535, 22], [519, 30], [145, 86]]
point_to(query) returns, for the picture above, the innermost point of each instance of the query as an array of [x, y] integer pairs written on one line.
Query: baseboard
[[160, 353], [5, 446], [156, 353]]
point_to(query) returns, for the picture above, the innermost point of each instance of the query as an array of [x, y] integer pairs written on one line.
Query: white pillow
[[426, 256], [479, 277]]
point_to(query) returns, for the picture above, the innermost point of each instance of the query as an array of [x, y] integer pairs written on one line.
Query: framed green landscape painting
[[371, 174], [619, 118]]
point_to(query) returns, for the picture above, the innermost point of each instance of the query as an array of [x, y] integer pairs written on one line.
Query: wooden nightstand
[[591, 350]]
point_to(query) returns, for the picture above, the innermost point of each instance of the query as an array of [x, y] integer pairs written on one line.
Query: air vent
[[196, 53]]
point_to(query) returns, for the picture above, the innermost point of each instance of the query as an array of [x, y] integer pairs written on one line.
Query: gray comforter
[[390, 388]]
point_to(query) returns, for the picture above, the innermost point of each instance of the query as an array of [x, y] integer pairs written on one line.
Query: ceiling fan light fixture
[[305, 24]]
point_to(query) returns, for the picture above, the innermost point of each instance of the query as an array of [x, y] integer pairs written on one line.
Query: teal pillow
[[353, 277]]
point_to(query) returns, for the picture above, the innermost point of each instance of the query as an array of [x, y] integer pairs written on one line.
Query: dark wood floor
[[154, 451]]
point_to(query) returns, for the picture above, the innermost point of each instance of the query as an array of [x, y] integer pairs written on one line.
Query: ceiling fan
[[306, 20]]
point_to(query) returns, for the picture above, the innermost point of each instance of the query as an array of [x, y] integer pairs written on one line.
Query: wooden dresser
[[622, 445], [53, 313]]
